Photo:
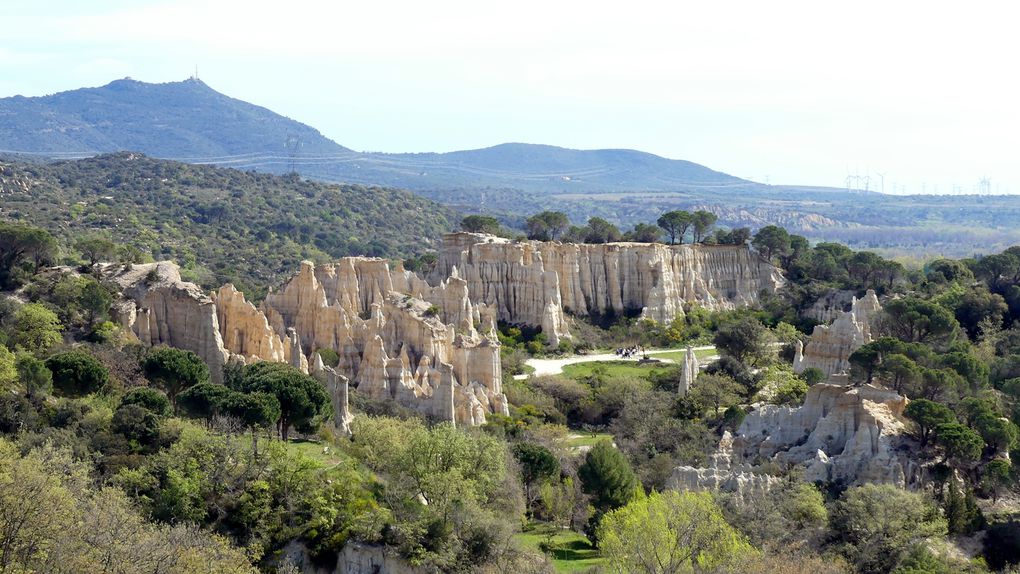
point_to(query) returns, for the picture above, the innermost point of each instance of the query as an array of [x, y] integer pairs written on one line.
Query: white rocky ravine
[[432, 345]]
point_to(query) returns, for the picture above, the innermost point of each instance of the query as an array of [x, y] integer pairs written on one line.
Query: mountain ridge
[[190, 121]]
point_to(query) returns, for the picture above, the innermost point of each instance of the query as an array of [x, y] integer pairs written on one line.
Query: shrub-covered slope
[[220, 224]]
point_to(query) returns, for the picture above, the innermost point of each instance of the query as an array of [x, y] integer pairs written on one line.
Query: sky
[[901, 97]]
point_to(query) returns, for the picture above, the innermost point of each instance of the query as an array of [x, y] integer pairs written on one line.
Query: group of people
[[628, 352]]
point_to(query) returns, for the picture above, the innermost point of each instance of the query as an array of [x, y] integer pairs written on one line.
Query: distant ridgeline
[[189, 121], [222, 225]]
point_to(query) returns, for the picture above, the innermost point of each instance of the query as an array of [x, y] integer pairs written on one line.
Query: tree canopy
[[77, 373], [675, 224], [303, 401], [174, 370], [480, 224], [669, 533], [547, 225]]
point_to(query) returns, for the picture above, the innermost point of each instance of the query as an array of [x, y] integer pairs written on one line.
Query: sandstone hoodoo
[[538, 283], [394, 345], [431, 345]]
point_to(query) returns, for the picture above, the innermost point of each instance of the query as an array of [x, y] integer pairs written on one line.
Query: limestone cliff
[[723, 473], [392, 343], [840, 434], [535, 283]]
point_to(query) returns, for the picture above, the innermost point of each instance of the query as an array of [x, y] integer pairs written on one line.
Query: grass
[[613, 369], [310, 448], [575, 440], [678, 356], [314, 449], [571, 551]]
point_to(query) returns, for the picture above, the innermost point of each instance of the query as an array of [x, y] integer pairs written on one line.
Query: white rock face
[[840, 434], [338, 387], [829, 306], [830, 346], [534, 282], [393, 344], [164, 310], [723, 474], [432, 346]]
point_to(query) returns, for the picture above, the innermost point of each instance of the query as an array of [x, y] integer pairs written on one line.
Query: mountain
[[190, 122], [175, 120], [539, 168], [221, 225]]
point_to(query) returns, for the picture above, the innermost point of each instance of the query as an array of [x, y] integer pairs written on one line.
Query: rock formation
[[338, 387], [689, 373], [829, 306], [432, 345], [840, 434], [161, 309], [722, 473], [830, 346], [535, 283], [390, 340]]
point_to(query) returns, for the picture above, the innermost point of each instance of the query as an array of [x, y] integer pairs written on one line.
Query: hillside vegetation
[[222, 225], [115, 453]]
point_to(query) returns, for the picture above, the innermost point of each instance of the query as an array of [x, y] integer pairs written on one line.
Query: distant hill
[[190, 122], [175, 120], [220, 224]]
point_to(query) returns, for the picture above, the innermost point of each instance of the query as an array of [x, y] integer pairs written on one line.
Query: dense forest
[[220, 225], [118, 457]]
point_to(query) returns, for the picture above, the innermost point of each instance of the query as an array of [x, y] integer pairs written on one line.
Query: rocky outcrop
[[830, 346], [246, 330], [354, 558], [829, 306], [339, 389], [162, 309], [432, 345], [722, 473], [844, 435], [536, 283], [358, 558], [393, 343]]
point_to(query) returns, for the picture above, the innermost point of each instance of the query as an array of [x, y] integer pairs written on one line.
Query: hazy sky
[[925, 93]]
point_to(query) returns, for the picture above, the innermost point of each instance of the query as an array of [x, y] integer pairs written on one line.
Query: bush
[[36, 329], [330, 358], [136, 423], [34, 376], [77, 373], [878, 523], [154, 400]]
